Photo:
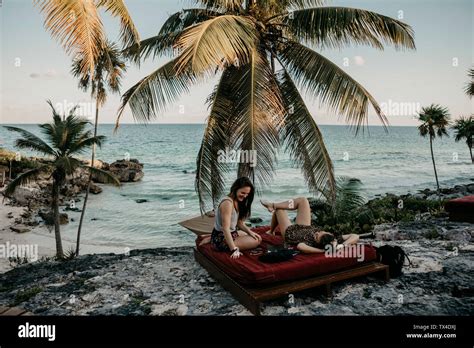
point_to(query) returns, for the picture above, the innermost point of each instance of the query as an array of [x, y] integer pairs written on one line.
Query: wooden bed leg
[[386, 274], [328, 290], [254, 307]]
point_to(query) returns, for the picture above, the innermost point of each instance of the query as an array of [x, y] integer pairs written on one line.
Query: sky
[[35, 68]]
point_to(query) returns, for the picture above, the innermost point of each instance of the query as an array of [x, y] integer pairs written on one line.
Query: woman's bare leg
[[273, 224], [283, 221], [301, 204], [245, 242]]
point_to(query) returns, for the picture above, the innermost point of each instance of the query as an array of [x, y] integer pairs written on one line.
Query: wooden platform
[[252, 297], [13, 311]]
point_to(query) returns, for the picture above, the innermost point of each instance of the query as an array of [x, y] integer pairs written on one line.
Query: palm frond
[[222, 5], [333, 86], [336, 27], [470, 85], [103, 175], [117, 8], [24, 179], [67, 164], [348, 197], [206, 45], [83, 145], [304, 141], [162, 44], [210, 169], [464, 129], [151, 95], [259, 113], [434, 121], [77, 26], [31, 142]]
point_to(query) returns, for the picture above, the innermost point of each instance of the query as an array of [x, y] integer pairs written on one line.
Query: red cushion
[[461, 209], [247, 269]]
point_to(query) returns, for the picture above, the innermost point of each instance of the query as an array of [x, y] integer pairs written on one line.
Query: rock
[[125, 171], [470, 188], [19, 229], [256, 220], [95, 189], [10, 215], [47, 216], [141, 200], [97, 163], [23, 195]]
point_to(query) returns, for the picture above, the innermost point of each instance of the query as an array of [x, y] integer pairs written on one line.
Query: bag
[[394, 257], [279, 255]]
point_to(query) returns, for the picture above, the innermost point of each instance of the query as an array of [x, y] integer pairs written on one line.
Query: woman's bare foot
[[270, 206], [205, 240]]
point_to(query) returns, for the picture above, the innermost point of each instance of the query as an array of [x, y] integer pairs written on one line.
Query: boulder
[[95, 189], [47, 216], [20, 229], [125, 171], [23, 195]]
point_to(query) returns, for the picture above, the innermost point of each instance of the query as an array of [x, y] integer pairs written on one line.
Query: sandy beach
[[39, 239]]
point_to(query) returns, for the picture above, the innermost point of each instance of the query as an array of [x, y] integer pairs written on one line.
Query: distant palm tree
[[107, 74], [256, 107], [435, 120], [66, 137], [464, 129], [76, 24], [470, 85]]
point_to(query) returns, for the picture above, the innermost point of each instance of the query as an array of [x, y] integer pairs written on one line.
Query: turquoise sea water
[[398, 161]]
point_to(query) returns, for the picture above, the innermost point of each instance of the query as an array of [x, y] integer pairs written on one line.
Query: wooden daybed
[[252, 282]]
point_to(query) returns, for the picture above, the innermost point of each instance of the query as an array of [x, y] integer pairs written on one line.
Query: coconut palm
[[108, 71], [257, 47], [435, 120], [76, 24], [66, 137], [470, 85], [464, 129]]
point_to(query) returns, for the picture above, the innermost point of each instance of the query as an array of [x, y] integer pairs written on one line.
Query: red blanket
[[461, 209], [249, 270]]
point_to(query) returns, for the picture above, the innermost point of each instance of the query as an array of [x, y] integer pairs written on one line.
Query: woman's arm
[[226, 213], [350, 238], [242, 226], [307, 249]]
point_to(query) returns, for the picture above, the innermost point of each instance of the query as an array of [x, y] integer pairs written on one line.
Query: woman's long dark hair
[[246, 205]]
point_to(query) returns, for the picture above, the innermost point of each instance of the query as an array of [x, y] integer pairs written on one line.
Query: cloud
[[358, 60], [50, 74]]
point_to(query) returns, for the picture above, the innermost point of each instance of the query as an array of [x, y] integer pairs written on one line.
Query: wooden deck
[[13, 311], [252, 297]]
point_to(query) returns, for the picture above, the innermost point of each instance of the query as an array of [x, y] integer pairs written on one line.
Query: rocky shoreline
[[169, 282], [36, 196]]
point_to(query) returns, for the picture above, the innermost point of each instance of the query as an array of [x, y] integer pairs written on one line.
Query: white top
[[233, 220]]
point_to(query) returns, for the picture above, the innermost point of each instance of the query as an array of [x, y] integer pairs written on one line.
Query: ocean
[[398, 161]]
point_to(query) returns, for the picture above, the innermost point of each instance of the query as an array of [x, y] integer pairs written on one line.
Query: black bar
[[256, 330]]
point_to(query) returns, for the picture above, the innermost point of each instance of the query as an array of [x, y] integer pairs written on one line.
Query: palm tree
[[108, 72], [255, 106], [464, 129], [66, 137], [76, 24], [470, 85], [435, 120]]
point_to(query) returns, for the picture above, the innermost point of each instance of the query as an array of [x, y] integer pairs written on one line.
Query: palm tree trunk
[[57, 232], [470, 151], [88, 182], [434, 164]]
